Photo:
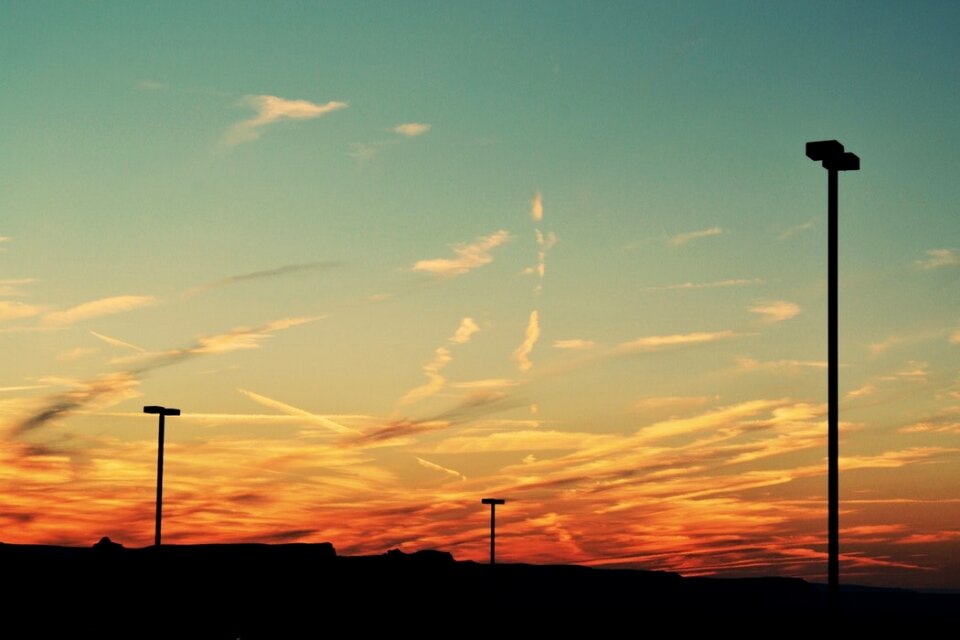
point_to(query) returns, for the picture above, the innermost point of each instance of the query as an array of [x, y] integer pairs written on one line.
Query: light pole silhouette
[[493, 502], [162, 412], [834, 159]]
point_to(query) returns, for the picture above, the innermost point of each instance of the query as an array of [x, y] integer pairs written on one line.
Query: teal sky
[[667, 141]]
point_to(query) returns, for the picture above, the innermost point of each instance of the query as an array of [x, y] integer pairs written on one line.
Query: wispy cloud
[[467, 328], [525, 440], [105, 390], [271, 109], [307, 416], [11, 287], [245, 338], [24, 387], [151, 85], [114, 342], [488, 384], [736, 282], [544, 244], [673, 402], [536, 207], [436, 467], [937, 258], [522, 353], [792, 231], [776, 311], [441, 358], [98, 393], [435, 381], [683, 238], [412, 129], [751, 364], [13, 310], [576, 344], [468, 256], [98, 308], [76, 353], [916, 371], [862, 392], [263, 275], [657, 343]]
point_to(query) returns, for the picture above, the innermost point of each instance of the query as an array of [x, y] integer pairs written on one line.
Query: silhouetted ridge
[[266, 590]]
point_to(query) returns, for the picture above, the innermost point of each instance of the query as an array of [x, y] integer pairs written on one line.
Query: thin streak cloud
[[290, 410], [657, 343], [800, 228], [436, 467], [683, 238], [265, 274], [684, 286], [98, 308], [575, 344], [114, 342]]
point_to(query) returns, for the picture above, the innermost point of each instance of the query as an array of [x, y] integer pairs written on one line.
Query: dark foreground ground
[[306, 590]]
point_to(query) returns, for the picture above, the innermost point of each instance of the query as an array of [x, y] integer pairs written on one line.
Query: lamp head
[[161, 410], [823, 149], [493, 501], [843, 162], [832, 155]]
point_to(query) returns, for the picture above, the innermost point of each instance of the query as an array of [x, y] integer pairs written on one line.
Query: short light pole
[[834, 159], [493, 502], [162, 412]]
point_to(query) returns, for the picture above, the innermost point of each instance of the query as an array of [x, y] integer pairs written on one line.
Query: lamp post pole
[[834, 160], [493, 502], [162, 412]]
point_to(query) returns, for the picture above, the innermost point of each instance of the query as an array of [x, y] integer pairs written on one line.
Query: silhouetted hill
[[244, 590]]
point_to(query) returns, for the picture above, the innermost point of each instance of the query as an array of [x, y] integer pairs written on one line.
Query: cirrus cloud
[[272, 109], [469, 256], [97, 308], [776, 311], [937, 258], [684, 238], [412, 129]]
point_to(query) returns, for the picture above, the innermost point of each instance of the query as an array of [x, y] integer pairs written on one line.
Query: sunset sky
[[390, 258]]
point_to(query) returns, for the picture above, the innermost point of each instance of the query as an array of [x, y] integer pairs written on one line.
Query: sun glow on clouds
[[702, 487]]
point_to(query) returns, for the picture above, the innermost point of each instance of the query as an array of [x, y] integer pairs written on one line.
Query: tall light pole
[[834, 159], [162, 412], [493, 502]]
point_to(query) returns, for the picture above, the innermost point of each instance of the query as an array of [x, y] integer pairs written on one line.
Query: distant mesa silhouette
[[254, 590]]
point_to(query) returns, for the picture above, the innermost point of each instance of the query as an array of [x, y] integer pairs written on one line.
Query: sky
[[390, 258]]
